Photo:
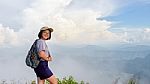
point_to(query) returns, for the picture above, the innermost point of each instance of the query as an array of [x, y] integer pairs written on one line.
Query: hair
[[40, 34]]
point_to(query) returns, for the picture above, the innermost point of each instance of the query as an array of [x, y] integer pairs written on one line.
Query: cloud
[[136, 35], [70, 65], [82, 63], [70, 26], [105, 7], [7, 36], [74, 22], [10, 13]]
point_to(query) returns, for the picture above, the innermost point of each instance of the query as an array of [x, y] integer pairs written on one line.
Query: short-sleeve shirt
[[42, 46]]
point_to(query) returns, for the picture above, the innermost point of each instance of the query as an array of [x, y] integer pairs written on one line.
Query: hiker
[[43, 72]]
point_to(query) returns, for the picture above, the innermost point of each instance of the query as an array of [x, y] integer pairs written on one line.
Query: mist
[[91, 63]]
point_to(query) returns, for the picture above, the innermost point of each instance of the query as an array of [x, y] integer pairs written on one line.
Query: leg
[[40, 81], [52, 80]]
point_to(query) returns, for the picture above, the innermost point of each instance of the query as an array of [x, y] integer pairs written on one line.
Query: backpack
[[32, 58]]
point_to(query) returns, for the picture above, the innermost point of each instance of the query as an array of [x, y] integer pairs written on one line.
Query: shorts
[[43, 70]]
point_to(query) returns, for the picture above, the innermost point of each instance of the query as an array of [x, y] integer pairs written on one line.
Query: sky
[[75, 22], [135, 15]]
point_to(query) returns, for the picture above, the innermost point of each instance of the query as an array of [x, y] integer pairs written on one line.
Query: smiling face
[[45, 34]]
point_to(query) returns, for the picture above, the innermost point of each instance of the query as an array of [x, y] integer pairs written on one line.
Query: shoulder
[[40, 41]]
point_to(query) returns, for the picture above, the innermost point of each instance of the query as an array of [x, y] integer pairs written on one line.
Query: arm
[[41, 48], [43, 56]]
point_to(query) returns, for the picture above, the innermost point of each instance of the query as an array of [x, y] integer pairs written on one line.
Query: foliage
[[69, 80], [131, 81], [33, 82]]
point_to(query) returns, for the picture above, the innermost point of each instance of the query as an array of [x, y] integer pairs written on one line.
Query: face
[[45, 34]]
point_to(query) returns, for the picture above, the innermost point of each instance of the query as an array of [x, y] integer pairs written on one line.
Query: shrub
[[69, 80], [131, 81]]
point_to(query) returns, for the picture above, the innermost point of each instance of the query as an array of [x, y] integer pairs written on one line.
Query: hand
[[49, 58]]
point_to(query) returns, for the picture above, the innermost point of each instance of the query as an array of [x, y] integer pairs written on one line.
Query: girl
[[42, 71]]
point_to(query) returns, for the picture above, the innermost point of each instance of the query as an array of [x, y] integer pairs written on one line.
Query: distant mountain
[[133, 47], [140, 67], [118, 52]]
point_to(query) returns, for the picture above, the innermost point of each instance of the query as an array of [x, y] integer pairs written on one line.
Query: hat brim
[[46, 28]]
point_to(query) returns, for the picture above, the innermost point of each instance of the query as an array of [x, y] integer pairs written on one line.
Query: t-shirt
[[42, 46]]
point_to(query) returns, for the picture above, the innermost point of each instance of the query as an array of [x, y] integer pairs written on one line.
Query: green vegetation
[[131, 81], [69, 80], [65, 80], [33, 82]]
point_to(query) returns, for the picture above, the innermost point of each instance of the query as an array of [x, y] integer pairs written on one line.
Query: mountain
[[104, 64]]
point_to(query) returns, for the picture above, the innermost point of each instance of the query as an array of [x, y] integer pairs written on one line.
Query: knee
[[55, 81]]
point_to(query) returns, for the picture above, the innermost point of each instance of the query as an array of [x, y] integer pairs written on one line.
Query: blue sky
[[136, 15]]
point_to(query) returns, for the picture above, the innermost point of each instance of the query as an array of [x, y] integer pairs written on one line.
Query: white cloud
[[10, 12], [72, 23], [146, 35], [135, 35], [105, 7], [71, 26], [7, 36]]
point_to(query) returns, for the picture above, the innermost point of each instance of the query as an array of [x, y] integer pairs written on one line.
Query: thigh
[[40, 81], [52, 80]]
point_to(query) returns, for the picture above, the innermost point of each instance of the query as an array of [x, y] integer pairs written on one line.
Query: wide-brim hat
[[46, 28]]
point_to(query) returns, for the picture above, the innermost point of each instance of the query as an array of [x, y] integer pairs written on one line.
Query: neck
[[42, 38]]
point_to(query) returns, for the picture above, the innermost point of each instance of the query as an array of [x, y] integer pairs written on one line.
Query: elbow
[[41, 54]]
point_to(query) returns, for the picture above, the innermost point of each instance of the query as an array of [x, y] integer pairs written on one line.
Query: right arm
[[41, 47], [44, 56]]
